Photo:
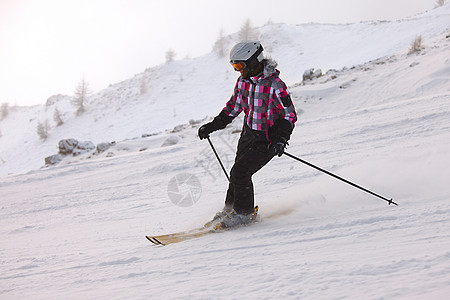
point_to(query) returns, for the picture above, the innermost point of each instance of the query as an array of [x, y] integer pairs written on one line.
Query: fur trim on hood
[[269, 66]]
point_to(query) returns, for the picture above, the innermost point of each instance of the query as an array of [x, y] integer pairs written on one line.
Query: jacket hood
[[269, 67]]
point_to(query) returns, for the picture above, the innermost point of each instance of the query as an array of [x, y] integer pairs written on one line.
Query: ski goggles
[[239, 66]]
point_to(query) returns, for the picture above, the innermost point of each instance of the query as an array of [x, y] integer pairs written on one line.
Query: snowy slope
[[77, 230]]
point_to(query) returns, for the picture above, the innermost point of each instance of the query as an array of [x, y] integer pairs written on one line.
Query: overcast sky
[[48, 46]]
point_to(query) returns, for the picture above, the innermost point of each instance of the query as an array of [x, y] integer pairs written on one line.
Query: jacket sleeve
[[286, 109], [287, 115], [221, 121], [234, 106]]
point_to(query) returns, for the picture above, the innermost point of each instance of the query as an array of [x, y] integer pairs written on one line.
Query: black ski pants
[[252, 154]]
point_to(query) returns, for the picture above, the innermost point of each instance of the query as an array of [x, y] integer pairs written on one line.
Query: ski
[[177, 237], [172, 238]]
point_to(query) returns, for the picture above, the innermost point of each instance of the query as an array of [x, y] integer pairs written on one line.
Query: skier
[[269, 120]]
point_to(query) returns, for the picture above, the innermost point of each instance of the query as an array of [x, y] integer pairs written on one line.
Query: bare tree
[[269, 22], [42, 130], [143, 87], [219, 46], [440, 3], [82, 92], [247, 33], [57, 117], [4, 110], [416, 45], [170, 55]]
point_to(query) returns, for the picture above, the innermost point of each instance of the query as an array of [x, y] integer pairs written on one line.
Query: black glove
[[219, 122], [279, 135], [277, 146], [205, 130]]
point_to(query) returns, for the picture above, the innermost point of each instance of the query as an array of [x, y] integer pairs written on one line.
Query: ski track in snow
[[76, 230]]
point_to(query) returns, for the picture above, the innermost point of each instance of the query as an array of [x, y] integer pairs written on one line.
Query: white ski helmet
[[246, 52]]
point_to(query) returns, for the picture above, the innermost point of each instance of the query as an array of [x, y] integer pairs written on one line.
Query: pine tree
[[82, 92]]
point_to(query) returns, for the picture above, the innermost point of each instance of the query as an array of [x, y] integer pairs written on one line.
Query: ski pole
[[218, 158], [340, 178]]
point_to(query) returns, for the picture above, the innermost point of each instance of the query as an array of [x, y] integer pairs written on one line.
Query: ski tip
[[154, 240]]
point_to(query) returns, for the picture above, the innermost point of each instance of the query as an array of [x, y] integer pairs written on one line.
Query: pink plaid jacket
[[263, 99]]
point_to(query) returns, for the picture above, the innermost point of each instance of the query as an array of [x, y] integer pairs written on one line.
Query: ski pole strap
[[218, 158], [340, 178]]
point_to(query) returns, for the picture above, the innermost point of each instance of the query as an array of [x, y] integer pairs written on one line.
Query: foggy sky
[[48, 46]]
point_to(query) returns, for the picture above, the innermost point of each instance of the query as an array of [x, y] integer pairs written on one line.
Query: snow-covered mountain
[[379, 118]]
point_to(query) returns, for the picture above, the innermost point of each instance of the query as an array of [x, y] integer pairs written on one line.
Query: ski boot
[[217, 218], [233, 219]]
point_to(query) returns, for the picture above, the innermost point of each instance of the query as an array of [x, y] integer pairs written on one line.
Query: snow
[[76, 230]]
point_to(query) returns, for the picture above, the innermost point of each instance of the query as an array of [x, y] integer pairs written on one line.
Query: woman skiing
[[269, 120]]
